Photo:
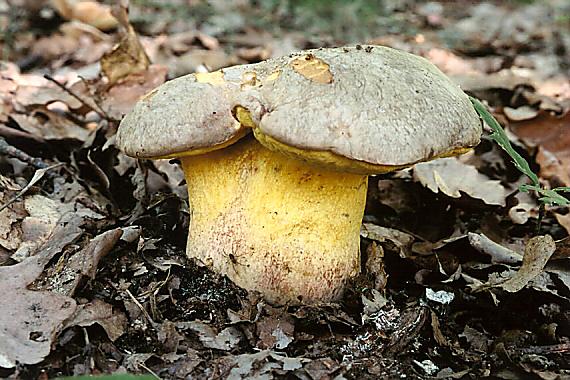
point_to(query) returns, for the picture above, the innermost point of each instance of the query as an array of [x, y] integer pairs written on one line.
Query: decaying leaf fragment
[[451, 177], [537, 252], [113, 322], [128, 56], [29, 320]]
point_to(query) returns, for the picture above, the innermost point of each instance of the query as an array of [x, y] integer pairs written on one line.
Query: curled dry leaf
[[128, 56], [452, 177], [83, 264], [275, 330], [401, 240], [112, 321], [526, 208], [537, 252], [30, 320]]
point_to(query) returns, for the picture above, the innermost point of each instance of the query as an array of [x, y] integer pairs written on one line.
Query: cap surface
[[377, 105], [180, 115], [373, 104]]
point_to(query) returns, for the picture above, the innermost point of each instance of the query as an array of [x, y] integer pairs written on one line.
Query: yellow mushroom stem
[[273, 223]]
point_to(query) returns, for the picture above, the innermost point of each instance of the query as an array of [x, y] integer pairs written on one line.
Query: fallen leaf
[[275, 330], [225, 340], [112, 321], [551, 134], [120, 99], [537, 252], [401, 240], [521, 113], [452, 177], [128, 56], [83, 264], [32, 319]]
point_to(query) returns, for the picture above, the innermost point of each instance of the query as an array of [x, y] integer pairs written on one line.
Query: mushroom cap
[[371, 104]]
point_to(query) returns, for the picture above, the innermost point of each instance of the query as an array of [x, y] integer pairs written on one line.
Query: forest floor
[[93, 275]]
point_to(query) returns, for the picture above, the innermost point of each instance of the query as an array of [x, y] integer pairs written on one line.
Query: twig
[[146, 314], [150, 371], [14, 152], [97, 109], [37, 176]]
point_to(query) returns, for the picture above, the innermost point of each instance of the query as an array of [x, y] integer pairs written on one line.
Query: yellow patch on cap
[[215, 78], [313, 68]]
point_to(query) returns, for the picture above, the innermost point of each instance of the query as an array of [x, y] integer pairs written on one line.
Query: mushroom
[[277, 155]]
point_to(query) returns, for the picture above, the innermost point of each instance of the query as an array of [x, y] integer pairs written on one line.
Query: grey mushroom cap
[[367, 103], [180, 115]]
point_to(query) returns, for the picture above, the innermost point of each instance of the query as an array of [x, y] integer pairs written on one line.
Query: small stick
[[97, 110], [143, 310], [37, 176], [14, 152]]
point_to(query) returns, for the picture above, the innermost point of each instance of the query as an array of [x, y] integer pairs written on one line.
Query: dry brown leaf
[[226, 340], [537, 252], [563, 220], [33, 318], [401, 240], [448, 62], [43, 95], [520, 113], [121, 98], [49, 125], [275, 330], [452, 177], [128, 57], [552, 135], [112, 321], [84, 263], [498, 253]]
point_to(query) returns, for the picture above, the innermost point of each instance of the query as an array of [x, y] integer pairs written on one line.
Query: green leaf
[[545, 196]]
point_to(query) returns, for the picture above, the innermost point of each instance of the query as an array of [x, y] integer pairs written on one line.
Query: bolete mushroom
[[279, 210]]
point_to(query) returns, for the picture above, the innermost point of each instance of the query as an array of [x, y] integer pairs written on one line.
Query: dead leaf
[[401, 240], [33, 319], [259, 365], [128, 57], [90, 12], [375, 265], [275, 330], [521, 113], [225, 340], [112, 321], [526, 208], [27, 96], [83, 264], [50, 125], [121, 98], [552, 135], [453, 177], [313, 68], [537, 252]]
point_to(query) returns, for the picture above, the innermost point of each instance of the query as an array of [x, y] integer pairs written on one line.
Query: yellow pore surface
[[273, 223]]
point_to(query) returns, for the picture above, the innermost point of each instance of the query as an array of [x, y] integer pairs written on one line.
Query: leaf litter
[[456, 282]]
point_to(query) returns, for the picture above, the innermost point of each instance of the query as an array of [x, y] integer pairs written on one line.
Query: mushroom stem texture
[[275, 224]]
